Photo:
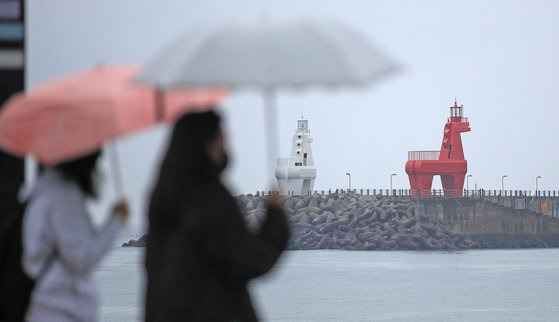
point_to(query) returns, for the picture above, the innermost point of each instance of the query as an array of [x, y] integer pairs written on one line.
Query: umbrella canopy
[[72, 116], [267, 56]]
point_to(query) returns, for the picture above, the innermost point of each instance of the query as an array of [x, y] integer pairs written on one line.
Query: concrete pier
[[484, 217], [493, 225]]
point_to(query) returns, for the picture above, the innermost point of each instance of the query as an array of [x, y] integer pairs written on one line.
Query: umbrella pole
[[159, 98], [115, 169], [271, 124]]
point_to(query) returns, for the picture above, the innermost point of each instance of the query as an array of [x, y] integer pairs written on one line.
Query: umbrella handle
[[159, 104], [116, 170]]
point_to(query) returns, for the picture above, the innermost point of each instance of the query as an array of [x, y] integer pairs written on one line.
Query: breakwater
[[375, 222], [493, 224], [359, 222]]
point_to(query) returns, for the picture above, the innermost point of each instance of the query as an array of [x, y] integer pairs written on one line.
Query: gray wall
[[483, 217]]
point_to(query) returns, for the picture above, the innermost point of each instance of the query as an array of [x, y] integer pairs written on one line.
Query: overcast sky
[[499, 58]]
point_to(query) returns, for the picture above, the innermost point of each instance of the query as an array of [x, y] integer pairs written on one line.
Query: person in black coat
[[200, 254]]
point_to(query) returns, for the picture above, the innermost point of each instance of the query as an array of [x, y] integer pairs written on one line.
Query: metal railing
[[423, 155], [445, 193], [515, 199], [462, 119]]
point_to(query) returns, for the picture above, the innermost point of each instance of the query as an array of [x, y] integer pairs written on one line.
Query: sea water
[[332, 285]]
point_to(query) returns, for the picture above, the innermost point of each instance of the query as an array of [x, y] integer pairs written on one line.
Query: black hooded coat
[[200, 255]]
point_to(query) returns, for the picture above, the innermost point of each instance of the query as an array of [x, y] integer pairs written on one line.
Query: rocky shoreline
[[366, 222]]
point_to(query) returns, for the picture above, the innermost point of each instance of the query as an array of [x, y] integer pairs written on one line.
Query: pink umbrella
[[72, 116]]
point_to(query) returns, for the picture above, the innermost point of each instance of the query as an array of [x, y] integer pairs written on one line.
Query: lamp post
[[349, 177], [538, 177], [392, 175], [503, 183], [467, 185]]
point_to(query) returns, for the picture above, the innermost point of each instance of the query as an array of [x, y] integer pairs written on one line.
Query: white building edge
[[297, 173]]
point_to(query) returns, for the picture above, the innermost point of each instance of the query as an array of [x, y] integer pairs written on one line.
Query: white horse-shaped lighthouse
[[296, 174]]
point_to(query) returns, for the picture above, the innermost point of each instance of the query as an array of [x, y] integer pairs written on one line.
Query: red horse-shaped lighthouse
[[449, 162]]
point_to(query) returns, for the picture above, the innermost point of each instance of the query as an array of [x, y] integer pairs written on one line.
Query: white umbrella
[[267, 57]]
